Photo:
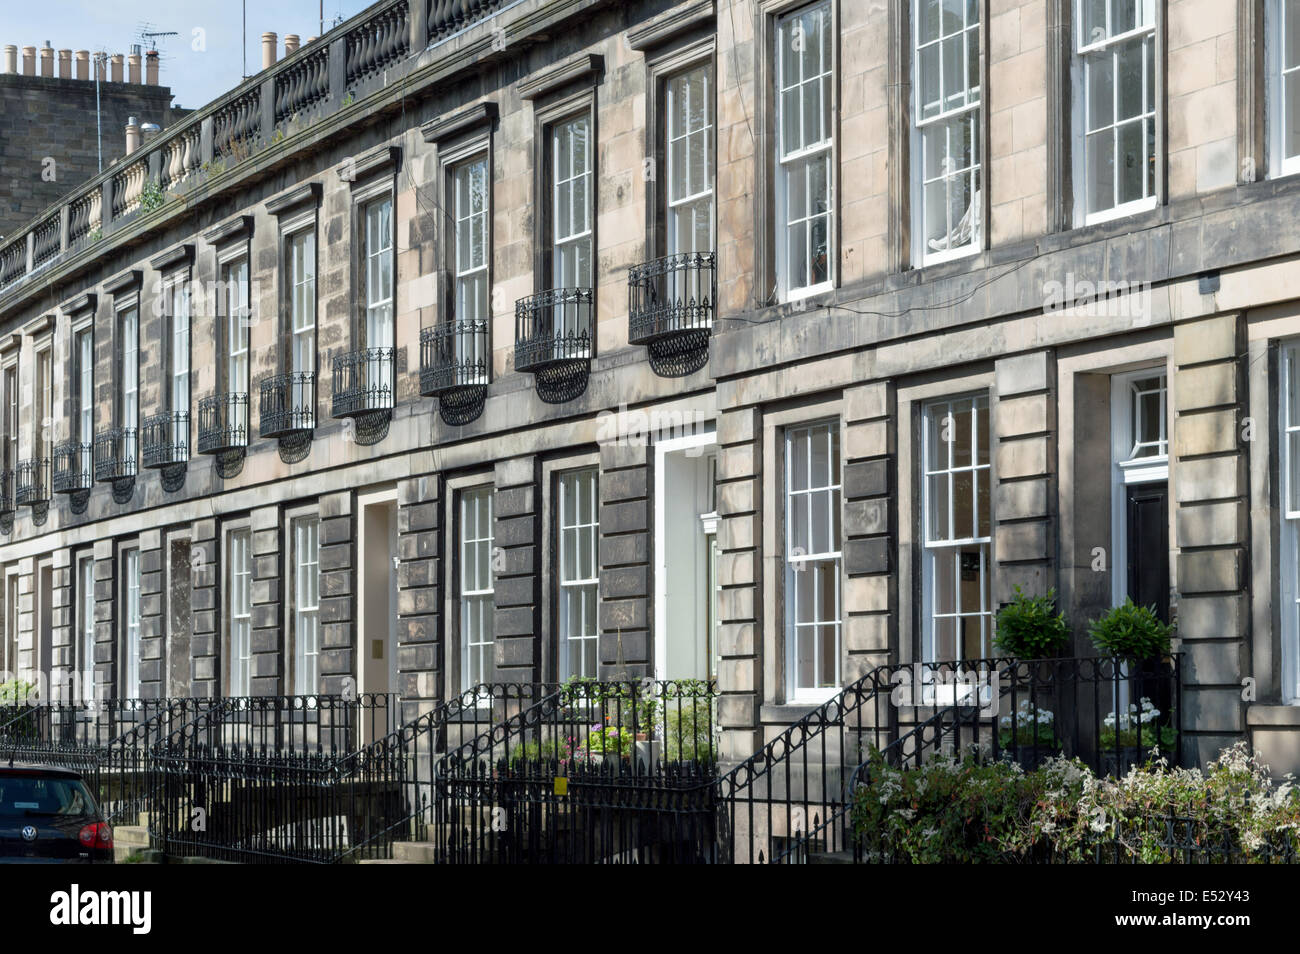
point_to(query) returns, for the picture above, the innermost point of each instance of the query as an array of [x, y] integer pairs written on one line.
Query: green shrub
[[971, 811], [152, 197], [686, 729], [1132, 632], [16, 691], [1030, 628], [543, 750]]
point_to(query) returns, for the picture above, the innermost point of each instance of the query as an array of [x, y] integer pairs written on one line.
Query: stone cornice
[[241, 226], [444, 127], [125, 282], [587, 66], [180, 255], [671, 24], [308, 192]]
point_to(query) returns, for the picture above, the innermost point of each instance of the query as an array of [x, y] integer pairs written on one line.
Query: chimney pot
[[268, 50], [132, 135], [133, 69], [47, 60], [11, 58], [151, 68], [83, 64], [65, 64], [115, 62], [29, 61], [291, 43]]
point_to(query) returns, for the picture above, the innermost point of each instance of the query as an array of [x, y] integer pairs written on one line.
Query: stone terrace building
[[416, 376]]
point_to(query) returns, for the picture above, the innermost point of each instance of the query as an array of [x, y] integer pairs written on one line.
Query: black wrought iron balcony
[[115, 454], [363, 382], [73, 467], [165, 439], [453, 355], [288, 404], [671, 296], [223, 422], [6, 492], [554, 327], [32, 482]]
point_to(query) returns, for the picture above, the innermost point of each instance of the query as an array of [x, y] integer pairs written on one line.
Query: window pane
[[1101, 170]]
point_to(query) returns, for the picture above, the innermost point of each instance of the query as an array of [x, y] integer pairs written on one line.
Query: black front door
[[1148, 546]]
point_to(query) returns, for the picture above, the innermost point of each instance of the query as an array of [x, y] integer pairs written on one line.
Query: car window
[[23, 796]]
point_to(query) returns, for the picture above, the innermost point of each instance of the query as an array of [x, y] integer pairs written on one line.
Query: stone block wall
[[1211, 488], [623, 550]]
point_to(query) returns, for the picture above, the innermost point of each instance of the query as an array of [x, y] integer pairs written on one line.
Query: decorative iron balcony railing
[[363, 381], [553, 327], [288, 403], [165, 439], [32, 482], [115, 454], [223, 422], [454, 354], [73, 467], [6, 492], [670, 296]]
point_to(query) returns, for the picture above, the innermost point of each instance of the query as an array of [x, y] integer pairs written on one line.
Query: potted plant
[[1132, 632], [1029, 627]]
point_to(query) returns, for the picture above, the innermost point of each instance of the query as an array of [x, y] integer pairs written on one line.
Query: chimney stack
[[47, 60], [291, 43], [132, 135], [29, 61], [65, 64], [83, 64], [268, 50], [116, 67], [151, 68], [11, 58]]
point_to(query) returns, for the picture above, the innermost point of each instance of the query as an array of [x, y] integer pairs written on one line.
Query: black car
[[48, 816]]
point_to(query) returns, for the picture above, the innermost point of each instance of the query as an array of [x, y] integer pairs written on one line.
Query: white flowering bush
[[1138, 726], [972, 811], [1030, 725]]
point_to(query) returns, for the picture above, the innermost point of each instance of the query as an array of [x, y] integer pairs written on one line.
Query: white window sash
[[577, 631], [1289, 673]]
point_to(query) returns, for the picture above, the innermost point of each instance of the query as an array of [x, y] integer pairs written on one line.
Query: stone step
[[414, 852], [136, 836]]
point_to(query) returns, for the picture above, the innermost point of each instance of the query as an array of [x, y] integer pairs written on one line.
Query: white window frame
[[300, 265], [235, 282], [377, 221], [239, 610], [43, 412], [13, 395], [470, 264], [1289, 512], [131, 624], [566, 246], [800, 559], [1276, 24], [1086, 53], [677, 148], [800, 159], [1128, 469], [933, 546], [179, 387], [128, 325], [305, 534], [575, 630], [948, 118], [85, 647], [84, 343], [476, 596]]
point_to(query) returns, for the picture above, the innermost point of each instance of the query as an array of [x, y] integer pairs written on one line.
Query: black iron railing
[[453, 355], [1026, 711], [73, 467], [115, 454], [591, 771], [223, 422], [6, 491], [316, 726], [554, 327], [363, 381], [110, 740], [670, 296], [165, 439], [288, 403], [32, 482]]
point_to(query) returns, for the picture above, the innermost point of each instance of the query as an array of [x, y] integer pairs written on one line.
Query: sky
[[199, 64]]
